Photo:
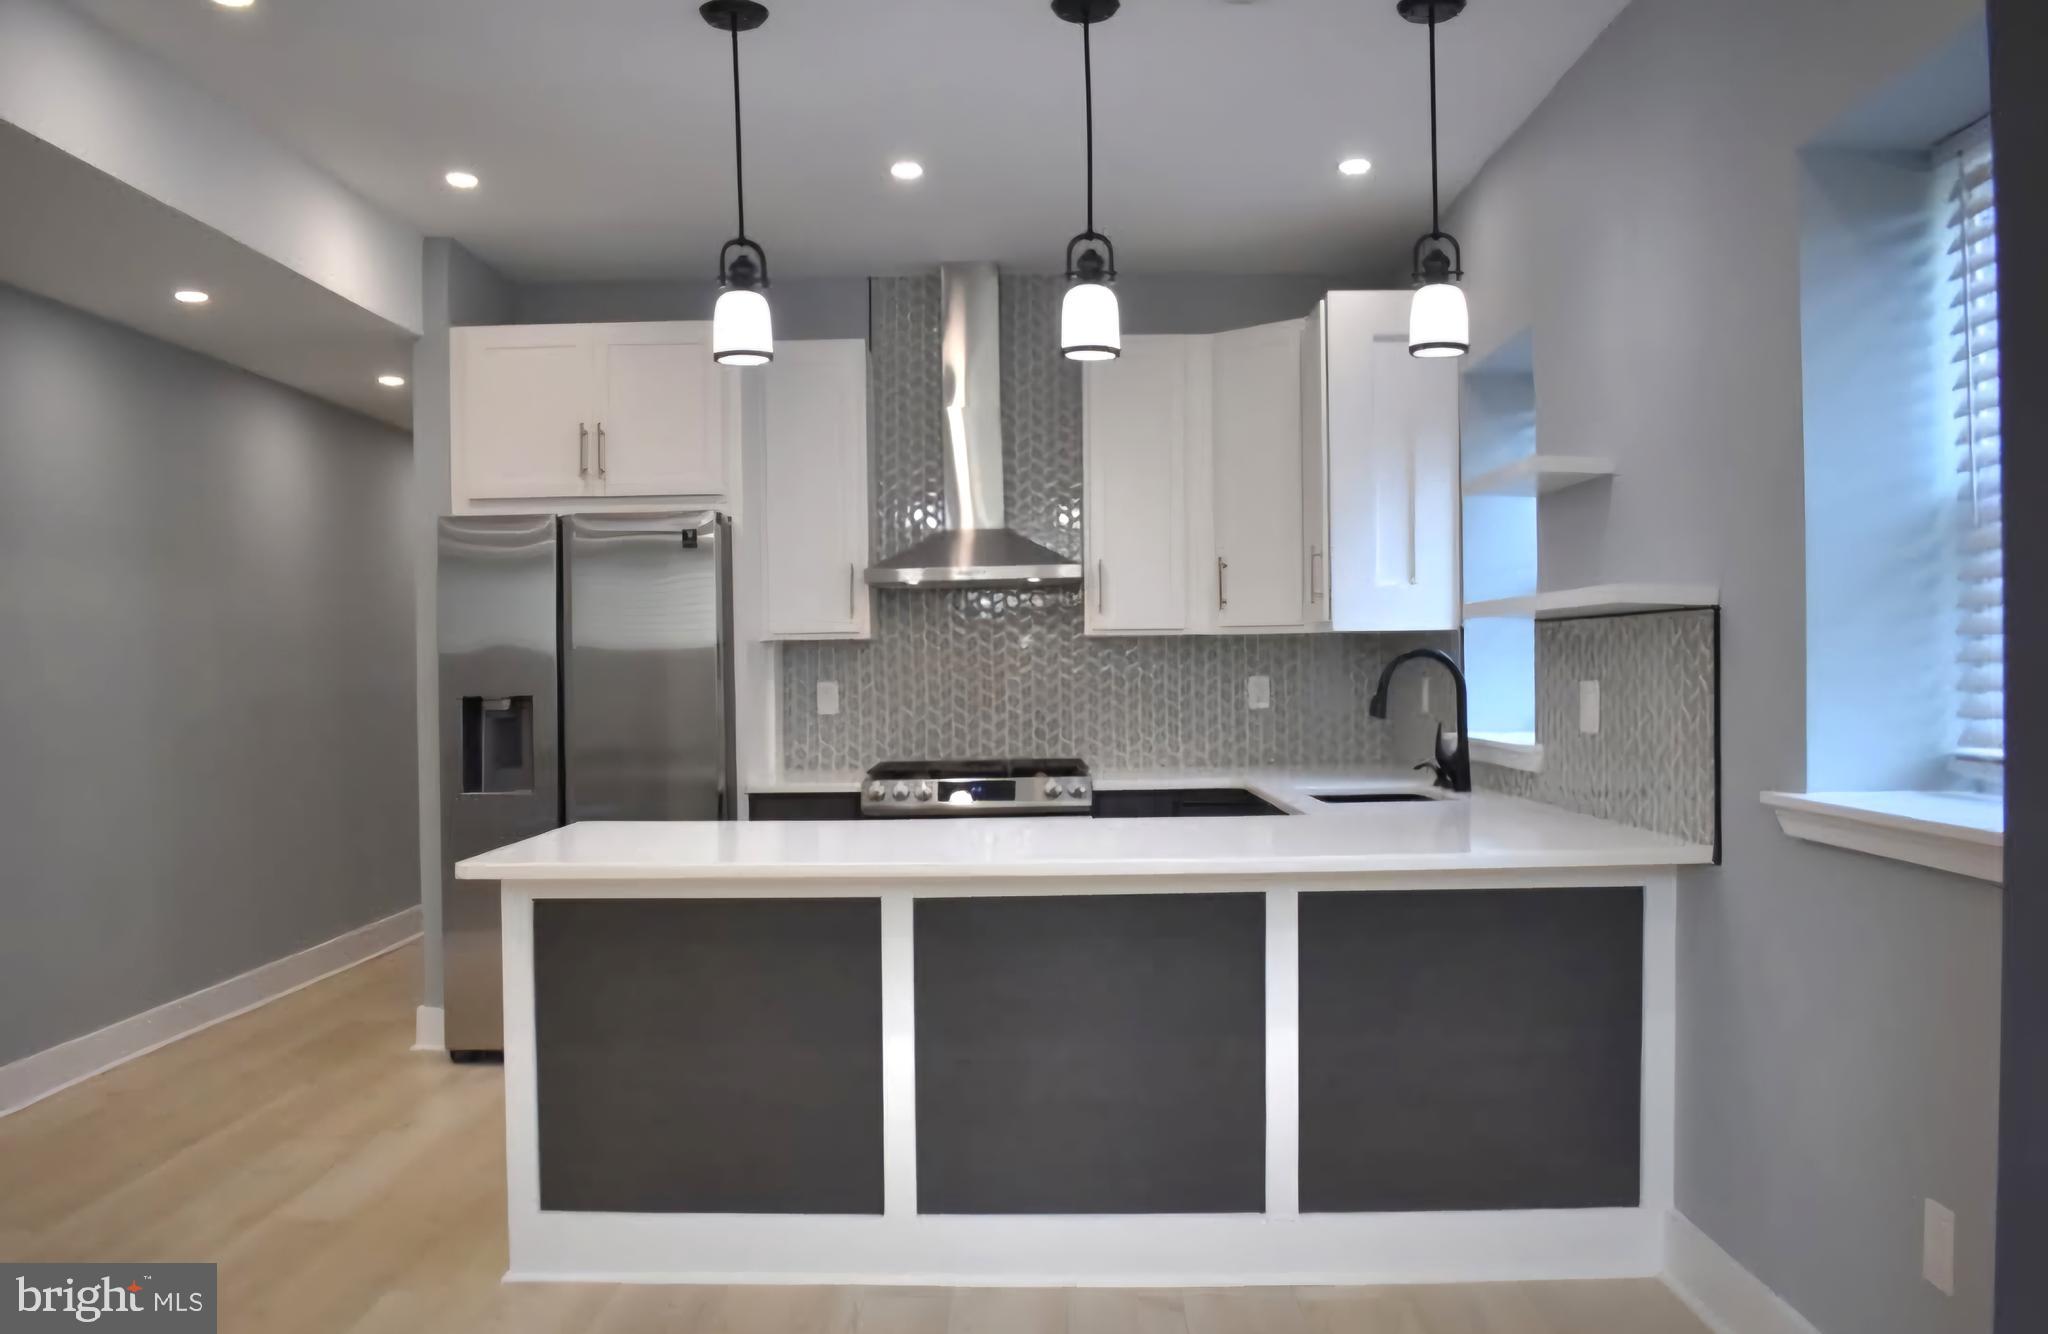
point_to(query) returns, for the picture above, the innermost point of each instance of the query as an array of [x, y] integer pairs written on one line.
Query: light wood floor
[[346, 1184]]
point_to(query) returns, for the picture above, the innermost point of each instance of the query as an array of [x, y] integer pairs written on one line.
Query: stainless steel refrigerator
[[585, 675]]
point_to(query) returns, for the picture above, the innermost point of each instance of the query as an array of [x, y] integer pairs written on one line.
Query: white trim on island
[[1280, 1246]]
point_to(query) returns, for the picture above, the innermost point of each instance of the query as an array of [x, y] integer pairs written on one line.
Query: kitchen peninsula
[[1352, 1043]]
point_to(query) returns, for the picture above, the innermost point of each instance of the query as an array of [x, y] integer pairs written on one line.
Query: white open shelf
[[1599, 600], [1539, 474]]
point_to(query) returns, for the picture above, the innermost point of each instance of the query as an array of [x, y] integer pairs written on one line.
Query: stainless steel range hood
[[974, 549]]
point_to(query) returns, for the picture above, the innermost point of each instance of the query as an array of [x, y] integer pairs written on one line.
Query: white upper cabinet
[[579, 411], [1256, 491], [661, 414], [522, 407], [1315, 468], [807, 423], [1393, 471], [1135, 411]]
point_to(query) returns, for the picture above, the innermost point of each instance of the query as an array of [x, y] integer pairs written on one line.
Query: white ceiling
[[98, 244], [601, 128]]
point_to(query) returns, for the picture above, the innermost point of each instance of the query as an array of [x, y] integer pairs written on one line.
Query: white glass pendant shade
[[742, 330], [1090, 327], [1438, 323]]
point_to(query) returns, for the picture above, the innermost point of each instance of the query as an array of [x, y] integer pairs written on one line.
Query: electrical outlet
[[828, 698], [1589, 707], [1938, 1246], [1258, 692]]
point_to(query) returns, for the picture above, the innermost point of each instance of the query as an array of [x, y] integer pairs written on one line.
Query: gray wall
[[460, 289], [1839, 1013], [205, 584], [2019, 47], [1881, 563]]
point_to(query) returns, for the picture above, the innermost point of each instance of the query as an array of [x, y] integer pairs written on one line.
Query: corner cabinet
[[1391, 427], [1288, 478], [574, 411], [806, 418]]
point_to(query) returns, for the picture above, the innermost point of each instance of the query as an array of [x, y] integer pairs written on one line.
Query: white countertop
[[1486, 831]]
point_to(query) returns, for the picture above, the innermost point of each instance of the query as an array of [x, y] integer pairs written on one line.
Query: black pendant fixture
[[742, 330], [1439, 325], [1090, 327]]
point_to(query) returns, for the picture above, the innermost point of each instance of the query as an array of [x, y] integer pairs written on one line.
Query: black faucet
[[1453, 766]]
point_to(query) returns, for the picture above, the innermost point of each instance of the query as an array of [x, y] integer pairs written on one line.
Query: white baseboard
[[33, 1078], [429, 1028], [1727, 1298]]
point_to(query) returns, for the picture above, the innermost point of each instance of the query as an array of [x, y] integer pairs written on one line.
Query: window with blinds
[[1971, 270]]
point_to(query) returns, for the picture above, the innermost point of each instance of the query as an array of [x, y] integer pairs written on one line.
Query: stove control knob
[[1052, 789], [877, 791], [924, 791], [901, 792], [1077, 788]]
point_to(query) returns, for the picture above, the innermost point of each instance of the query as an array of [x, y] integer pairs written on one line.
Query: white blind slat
[[1971, 267]]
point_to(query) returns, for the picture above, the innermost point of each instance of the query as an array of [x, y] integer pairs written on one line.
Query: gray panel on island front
[[1091, 1055], [709, 1056], [1476, 1049]]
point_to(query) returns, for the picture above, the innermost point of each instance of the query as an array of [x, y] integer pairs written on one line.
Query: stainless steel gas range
[[911, 788]]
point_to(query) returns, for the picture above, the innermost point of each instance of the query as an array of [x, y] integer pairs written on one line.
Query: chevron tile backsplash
[[1654, 761], [999, 672]]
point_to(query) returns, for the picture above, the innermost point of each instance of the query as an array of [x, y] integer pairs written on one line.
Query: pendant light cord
[[739, 152], [1436, 226], [1088, 100]]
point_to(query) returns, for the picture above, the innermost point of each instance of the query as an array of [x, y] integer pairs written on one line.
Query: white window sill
[[1508, 750], [1959, 832]]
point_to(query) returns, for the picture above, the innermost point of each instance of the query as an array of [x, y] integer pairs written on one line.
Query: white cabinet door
[[1135, 414], [1255, 424], [1315, 469], [521, 412], [1393, 471], [813, 493], [660, 411]]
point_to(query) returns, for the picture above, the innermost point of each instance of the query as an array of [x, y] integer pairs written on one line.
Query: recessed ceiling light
[[234, 4], [1354, 166], [191, 296], [391, 381], [462, 180], [906, 170]]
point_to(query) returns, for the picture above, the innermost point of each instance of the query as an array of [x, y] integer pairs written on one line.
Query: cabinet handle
[[582, 449], [1315, 570], [1100, 585], [852, 578], [600, 450], [1221, 600]]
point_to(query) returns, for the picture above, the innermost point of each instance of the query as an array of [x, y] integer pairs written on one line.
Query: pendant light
[[1090, 327], [742, 330], [1438, 323]]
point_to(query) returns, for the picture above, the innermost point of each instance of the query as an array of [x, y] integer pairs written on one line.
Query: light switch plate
[[1589, 707], [828, 698], [1258, 692], [1938, 1246]]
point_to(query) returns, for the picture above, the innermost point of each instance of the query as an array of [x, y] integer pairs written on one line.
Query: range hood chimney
[[974, 549]]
